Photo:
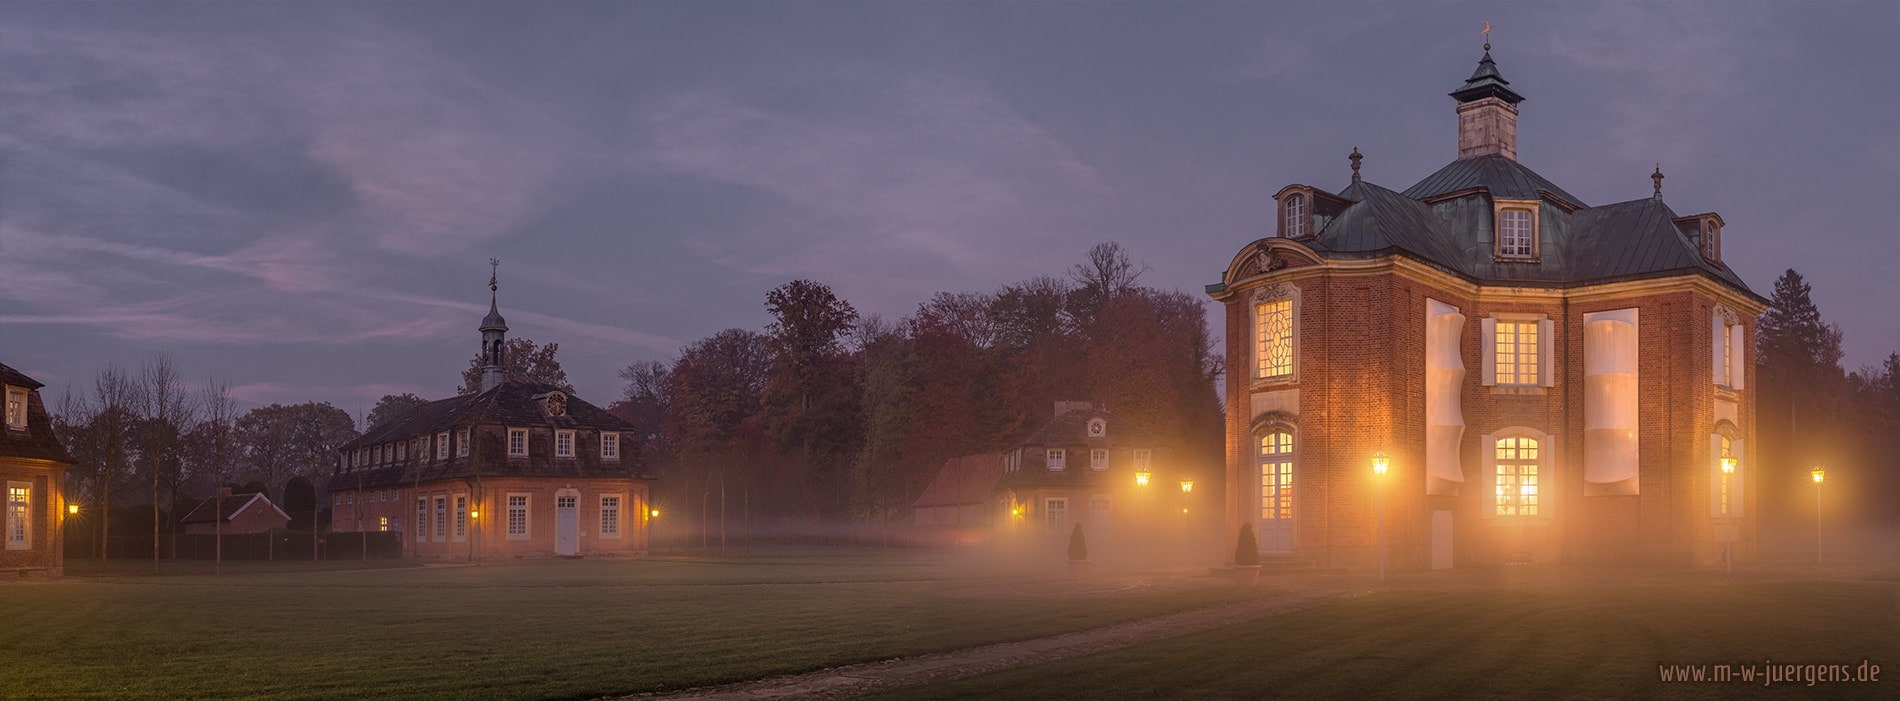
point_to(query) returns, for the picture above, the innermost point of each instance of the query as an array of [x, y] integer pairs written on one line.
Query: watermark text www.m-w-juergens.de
[[1770, 673]]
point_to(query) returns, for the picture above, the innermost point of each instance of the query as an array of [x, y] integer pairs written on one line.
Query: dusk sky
[[301, 198]]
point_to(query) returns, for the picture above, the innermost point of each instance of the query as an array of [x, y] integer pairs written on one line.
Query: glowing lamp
[[653, 514], [472, 515], [1380, 463], [1187, 487], [1728, 465], [72, 508], [1141, 478], [1818, 474]]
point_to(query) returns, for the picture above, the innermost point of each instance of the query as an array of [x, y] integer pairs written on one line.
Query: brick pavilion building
[[1552, 381], [33, 466], [515, 470]]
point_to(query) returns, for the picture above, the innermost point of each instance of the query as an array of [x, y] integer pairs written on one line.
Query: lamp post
[[1187, 489], [1818, 474], [1380, 463], [1728, 512]]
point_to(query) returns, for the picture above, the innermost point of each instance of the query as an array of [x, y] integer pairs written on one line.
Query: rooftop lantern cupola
[[494, 334], [1487, 111]]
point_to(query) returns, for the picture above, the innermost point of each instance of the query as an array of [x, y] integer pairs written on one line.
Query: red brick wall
[[1361, 380]]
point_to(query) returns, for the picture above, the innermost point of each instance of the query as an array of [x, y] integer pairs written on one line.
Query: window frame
[[521, 433], [1534, 247], [564, 443], [1098, 459], [1144, 458], [422, 519], [1263, 369], [19, 403], [461, 443], [610, 516], [1051, 507], [1545, 341], [1055, 459], [525, 513], [442, 445], [441, 518], [610, 446], [1296, 215], [1286, 491], [461, 517], [1547, 479], [19, 515]]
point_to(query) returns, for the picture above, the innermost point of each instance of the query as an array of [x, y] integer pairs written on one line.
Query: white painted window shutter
[[1547, 373], [1736, 353], [1488, 327]]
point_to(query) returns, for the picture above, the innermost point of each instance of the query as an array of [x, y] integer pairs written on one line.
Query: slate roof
[[964, 480], [38, 441], [1069, 430], [1446, 221], [514, 404]]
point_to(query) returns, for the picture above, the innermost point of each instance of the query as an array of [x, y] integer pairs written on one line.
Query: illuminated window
[[1273, 338], [610, 516], [517, 441], [563, 444], [1516, 345], [1296, 220], [16, 408], [1516, 233], [1055, 513], [461, 444], [1517, 459], [461, 516], [422, 519], [517, 516], [1276, 476], [1098, 459], [19, 516], [382, 523], [1056, 458], [609, 446]]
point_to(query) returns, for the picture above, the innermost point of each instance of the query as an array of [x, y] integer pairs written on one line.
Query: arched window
[[1518, 477], [1296, 219], [1276, 476]]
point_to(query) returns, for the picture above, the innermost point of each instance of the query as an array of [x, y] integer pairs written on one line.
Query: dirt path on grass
[[898, 673]]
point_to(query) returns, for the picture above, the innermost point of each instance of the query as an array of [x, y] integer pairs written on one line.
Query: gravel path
[[955, 664]]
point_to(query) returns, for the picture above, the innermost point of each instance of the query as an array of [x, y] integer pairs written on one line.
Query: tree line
[[1811, 412], [830, 415]]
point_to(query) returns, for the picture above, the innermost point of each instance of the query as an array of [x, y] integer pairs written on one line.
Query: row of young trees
[[830, 415], [1811, 412], [148, 437]]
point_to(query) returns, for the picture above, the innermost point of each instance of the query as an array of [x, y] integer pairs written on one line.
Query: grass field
[[547, 629], [1591, 642]]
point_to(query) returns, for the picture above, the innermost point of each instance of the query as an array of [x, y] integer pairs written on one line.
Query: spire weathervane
[[1487, 35], [493, 265]]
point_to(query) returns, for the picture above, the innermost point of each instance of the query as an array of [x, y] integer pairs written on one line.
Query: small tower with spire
[[1487, 110], [494, 333]]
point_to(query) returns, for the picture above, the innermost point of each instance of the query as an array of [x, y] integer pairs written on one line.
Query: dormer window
[[16, 408], [555, 404], [1098, 428], [1517, 230], [1711, 240], [1296, 220]]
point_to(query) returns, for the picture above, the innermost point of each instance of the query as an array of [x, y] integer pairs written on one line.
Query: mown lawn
[[551, 629], [1558, 642]]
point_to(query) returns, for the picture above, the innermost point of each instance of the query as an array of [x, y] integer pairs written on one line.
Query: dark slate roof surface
[[1072, 428], [231, 507], [38, 441], [964, 480], [1503, 177]]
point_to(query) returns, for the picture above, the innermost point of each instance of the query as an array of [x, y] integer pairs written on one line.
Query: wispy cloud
[[874, 166]]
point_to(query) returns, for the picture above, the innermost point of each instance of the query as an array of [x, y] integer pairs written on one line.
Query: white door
[[1276, 493], [566, 526]]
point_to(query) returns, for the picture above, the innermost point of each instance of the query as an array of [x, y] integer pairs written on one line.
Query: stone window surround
[[1498, 207], [1267, 294]]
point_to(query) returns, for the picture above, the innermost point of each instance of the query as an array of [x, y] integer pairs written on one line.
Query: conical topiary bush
[[1078, 545], [1247, 550]]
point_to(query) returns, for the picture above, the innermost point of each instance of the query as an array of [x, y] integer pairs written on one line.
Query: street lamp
[[1141, 543], [1818, 474], [1728, 512], [1380, 463], [1187, 486], [1141, 477]]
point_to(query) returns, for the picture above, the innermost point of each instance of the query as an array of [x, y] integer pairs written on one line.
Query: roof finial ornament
[[1355, 158], [1657, 177], [1487, 35], [494, 264]]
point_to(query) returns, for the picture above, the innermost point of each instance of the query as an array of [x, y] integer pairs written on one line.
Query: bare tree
[[110, 423], [218, 433], [166, 410]]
